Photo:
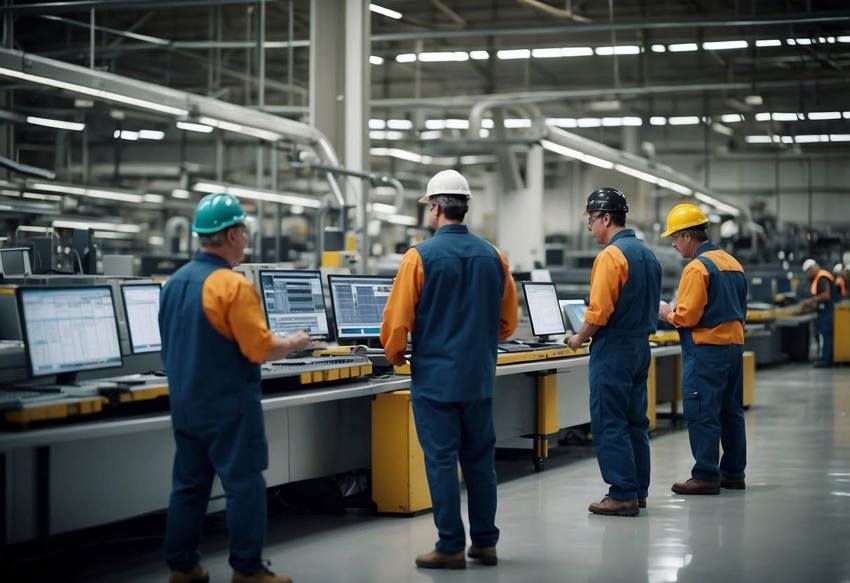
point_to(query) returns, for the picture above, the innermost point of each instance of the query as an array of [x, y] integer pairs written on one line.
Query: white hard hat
[[446, 182], [838, 268], [809, 263]]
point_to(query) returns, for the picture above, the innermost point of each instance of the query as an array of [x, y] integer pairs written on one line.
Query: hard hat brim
[[678, 228]]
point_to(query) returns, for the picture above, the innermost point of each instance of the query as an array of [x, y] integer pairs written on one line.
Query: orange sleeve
[[609, 274], [232, 307], [400, 311], [508, 314], [693, 296]]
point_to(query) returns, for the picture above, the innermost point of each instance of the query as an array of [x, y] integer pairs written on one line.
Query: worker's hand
[[806, 303], [664, 310], [299, 340], [575, 341]]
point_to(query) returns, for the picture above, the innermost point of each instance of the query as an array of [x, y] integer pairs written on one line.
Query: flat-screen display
[[294, 300], [358, 304], [141, 308], [541, 300]]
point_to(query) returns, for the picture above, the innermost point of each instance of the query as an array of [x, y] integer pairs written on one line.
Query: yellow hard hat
[[684, 216]]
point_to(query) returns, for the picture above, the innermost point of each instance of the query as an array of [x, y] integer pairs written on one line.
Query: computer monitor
[[294, 300], [141, 310], [69, 330], [574, 312], [358, 304], [15, 261], [541, 301]]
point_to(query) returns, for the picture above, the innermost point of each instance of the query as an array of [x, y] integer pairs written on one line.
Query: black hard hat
[[607, 199]]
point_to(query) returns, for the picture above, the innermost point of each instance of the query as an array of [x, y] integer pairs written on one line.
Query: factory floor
[[791, 524]]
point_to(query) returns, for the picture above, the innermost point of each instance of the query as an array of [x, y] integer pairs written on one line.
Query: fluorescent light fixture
[[180, 193], [430, 135], [683, 120], [675, 187], [112, 235], [577, 51], [385, 12], [659, 48], [156, 240], [376, 60], [763, 116], [618, 50], [843, 39], [377, 124], [483, 133], [645, 176], [770, 42], [400, 124], [589, 122], [435, 124], [56, 123], [194, 127], [101, 226], [658, 120], [725, 45], [787, 140], [731, 117], [153, 198], [547, 53], [257, 194], [508, 54], [807, 138], [561, 52], [800, 41], [99, 93], [753, 100], [719, 205], [816, 115], [126, 135], [562, 122], [611, 122], [479, 55], [598, 162], [758, 139], [839, 137], [406, 58], [489, 124], [380, 207], [682, 47], [562, 150], [513, 123], [787, 116], [240, 129], [151, 135], [632, 121], [457, 124], [39, 196], [846, 114], [443, 56], [385, 135], [89, 192], [401, 155]]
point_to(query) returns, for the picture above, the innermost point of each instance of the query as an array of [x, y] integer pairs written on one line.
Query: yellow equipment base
[[749, 378], [399, 485], [841, 333], [651, 396]]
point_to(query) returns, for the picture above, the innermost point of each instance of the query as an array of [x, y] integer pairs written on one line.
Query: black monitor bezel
[[334, 276], [571, 302], [19, 293], [127, 317], [528, 308], [317, 273]]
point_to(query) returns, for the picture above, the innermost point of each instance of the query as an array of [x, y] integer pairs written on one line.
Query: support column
[[522, 207]]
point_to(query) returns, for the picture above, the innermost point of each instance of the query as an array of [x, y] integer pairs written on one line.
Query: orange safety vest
[[820, 274]]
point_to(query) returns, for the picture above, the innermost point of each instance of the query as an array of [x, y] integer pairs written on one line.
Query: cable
[[79, 261]]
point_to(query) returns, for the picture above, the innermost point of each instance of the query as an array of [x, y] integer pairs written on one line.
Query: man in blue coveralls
[[625, 287], [214, 337], [455, 294], [710, 311], [823, 293]]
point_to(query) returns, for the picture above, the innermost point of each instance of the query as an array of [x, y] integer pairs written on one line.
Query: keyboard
[[296, 366]]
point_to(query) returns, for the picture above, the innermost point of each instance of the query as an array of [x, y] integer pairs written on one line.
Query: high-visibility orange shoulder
[[609, 274]]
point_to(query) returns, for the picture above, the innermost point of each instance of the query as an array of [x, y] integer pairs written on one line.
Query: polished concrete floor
[[791, 524]]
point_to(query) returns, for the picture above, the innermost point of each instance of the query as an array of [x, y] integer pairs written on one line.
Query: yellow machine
[[749, 378], [841, 333]]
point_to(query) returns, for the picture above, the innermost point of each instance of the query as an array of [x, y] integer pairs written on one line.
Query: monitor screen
[[574, 312], [141, 308], [358, 304], [68, 330], [15, 261], [294, 300], [541, 300]]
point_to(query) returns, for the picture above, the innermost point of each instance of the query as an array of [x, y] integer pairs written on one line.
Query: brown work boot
[[641, 502], [437, 560], [733, 484], [611, 507], [196, 575], [484, 555], [694, 486], [263, 575]]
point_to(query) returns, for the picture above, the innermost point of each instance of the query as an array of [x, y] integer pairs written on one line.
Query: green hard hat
[[216, 212]]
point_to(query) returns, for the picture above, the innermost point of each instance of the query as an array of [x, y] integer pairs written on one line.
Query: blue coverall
[[712, 379], [619, 364], [218, 425]]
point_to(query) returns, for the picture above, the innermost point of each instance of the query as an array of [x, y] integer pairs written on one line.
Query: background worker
[[840, 281], [454, 293], [625, 287], [214, 336], [823, 298], [709, 314]]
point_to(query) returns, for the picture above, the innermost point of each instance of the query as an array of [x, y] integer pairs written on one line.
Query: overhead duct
[[167, 101]]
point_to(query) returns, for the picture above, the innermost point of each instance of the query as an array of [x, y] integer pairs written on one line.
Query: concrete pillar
[[521, 216]]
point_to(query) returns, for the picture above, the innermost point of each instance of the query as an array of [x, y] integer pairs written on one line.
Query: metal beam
[[79, 6]]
